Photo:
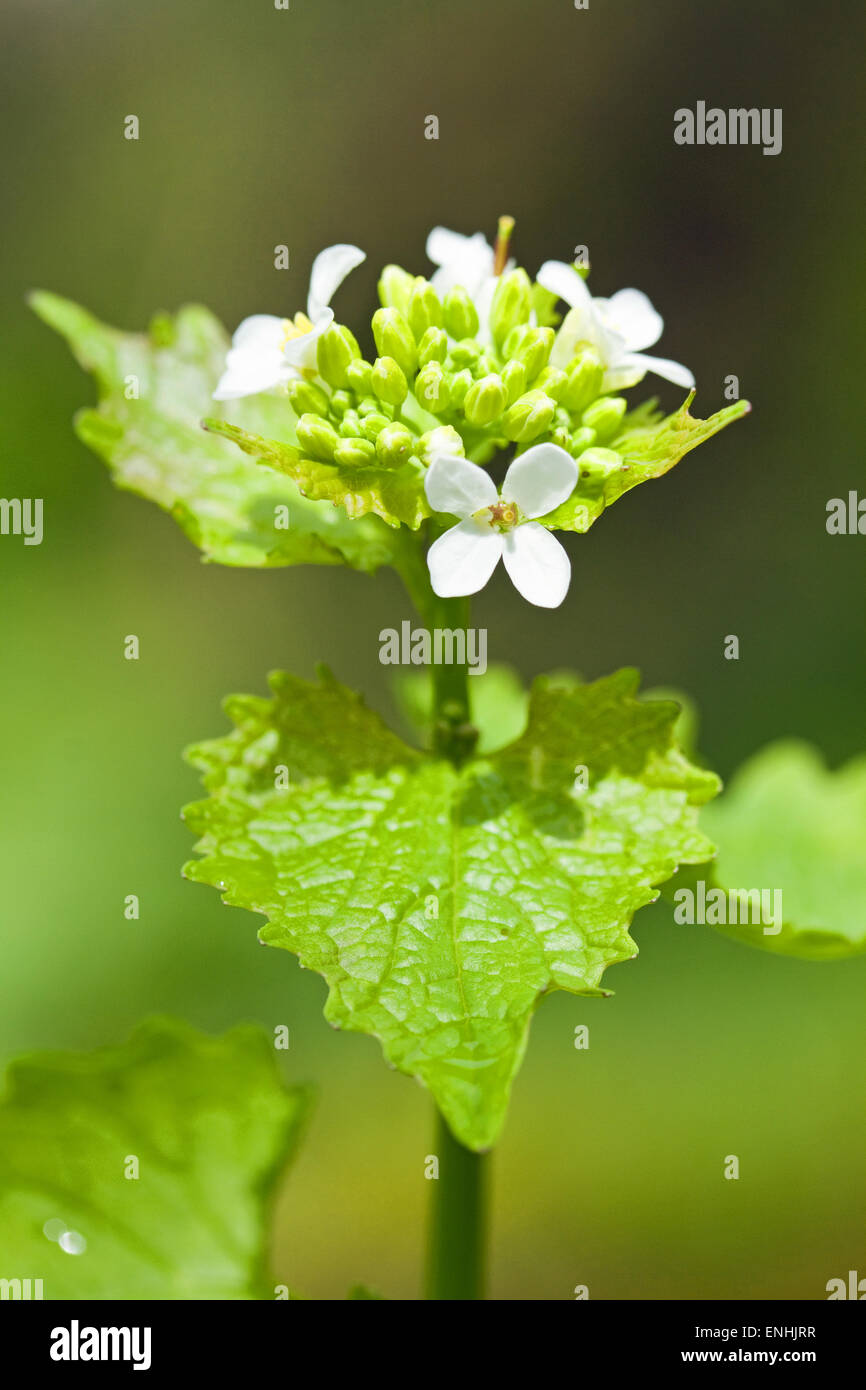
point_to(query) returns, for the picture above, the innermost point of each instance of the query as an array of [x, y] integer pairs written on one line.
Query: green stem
[[458, 1221], [458, 1226]]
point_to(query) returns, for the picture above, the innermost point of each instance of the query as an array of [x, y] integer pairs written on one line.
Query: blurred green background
[[305, 127]]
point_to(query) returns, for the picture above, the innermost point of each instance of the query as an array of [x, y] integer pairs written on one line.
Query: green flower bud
[[340, 402], [514, 381], [528, 417], [460, 385], [464, 354], [552, 381], [443, 440], [394, 339], [459, 315], [533, 350], [372, 426], [425, 309], [307, 399], [561, 435], [350, 425], [368, 405], [317, 438], [336, 349], [358, 377], [512, 343], [388, 381], [354, 453], [605, 416], [597, 464], [485, 400], [394, 446], [433, 346], [585, 372], [431, 388], [581, 439], [395, 287], [512, 304]]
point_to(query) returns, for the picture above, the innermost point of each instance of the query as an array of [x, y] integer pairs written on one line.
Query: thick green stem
[[458, 1221], [458, 1226]]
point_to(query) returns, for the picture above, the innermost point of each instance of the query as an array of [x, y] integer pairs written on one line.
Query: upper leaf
[[154, 390], [649, 445], [440, 904], [788, 824], [208, 1122], [394, 494]]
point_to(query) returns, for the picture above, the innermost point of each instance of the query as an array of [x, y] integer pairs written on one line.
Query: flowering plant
[[441, 892]]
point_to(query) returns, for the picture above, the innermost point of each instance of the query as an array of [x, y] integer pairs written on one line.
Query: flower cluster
[[468, 364]]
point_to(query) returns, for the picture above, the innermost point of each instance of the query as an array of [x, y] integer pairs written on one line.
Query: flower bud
[[368, 405], [514, 381], [459, 315], [561, 435], [340, 402], [307, 399], [605, 416], [460, 384], [464, 354], [528, 417], [388, 381], [552, 381], [395, 287], [372, 425], [585, 372], [354, 453], [431, 388], [335, 350], [394, 339], [317, 438], [512, 304], [425, 309], [358, 377], [533, 350], [485, 400], [581, 439], [394, 445], [350, 425], [597, 464], [433, 346], [443, 440]]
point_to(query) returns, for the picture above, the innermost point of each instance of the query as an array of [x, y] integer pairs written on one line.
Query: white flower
[[267, 351], [492, 525], [467, 261], [618, 328]]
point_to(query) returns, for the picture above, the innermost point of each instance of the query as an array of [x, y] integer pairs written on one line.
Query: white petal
[[662, 366], [330, 269], [540, 479], [259, 330], [301, 351], [462, 561], [462, 260], [578, 326], [564, 281], [250, 370], [539, 568], [631, 314], [459, 487]]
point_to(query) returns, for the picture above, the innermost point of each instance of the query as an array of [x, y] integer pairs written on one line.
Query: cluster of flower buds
[[443, 380]]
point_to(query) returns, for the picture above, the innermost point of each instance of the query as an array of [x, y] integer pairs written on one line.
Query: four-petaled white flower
[[267, 351], [467, 261], [492, 525], [618, 328]]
